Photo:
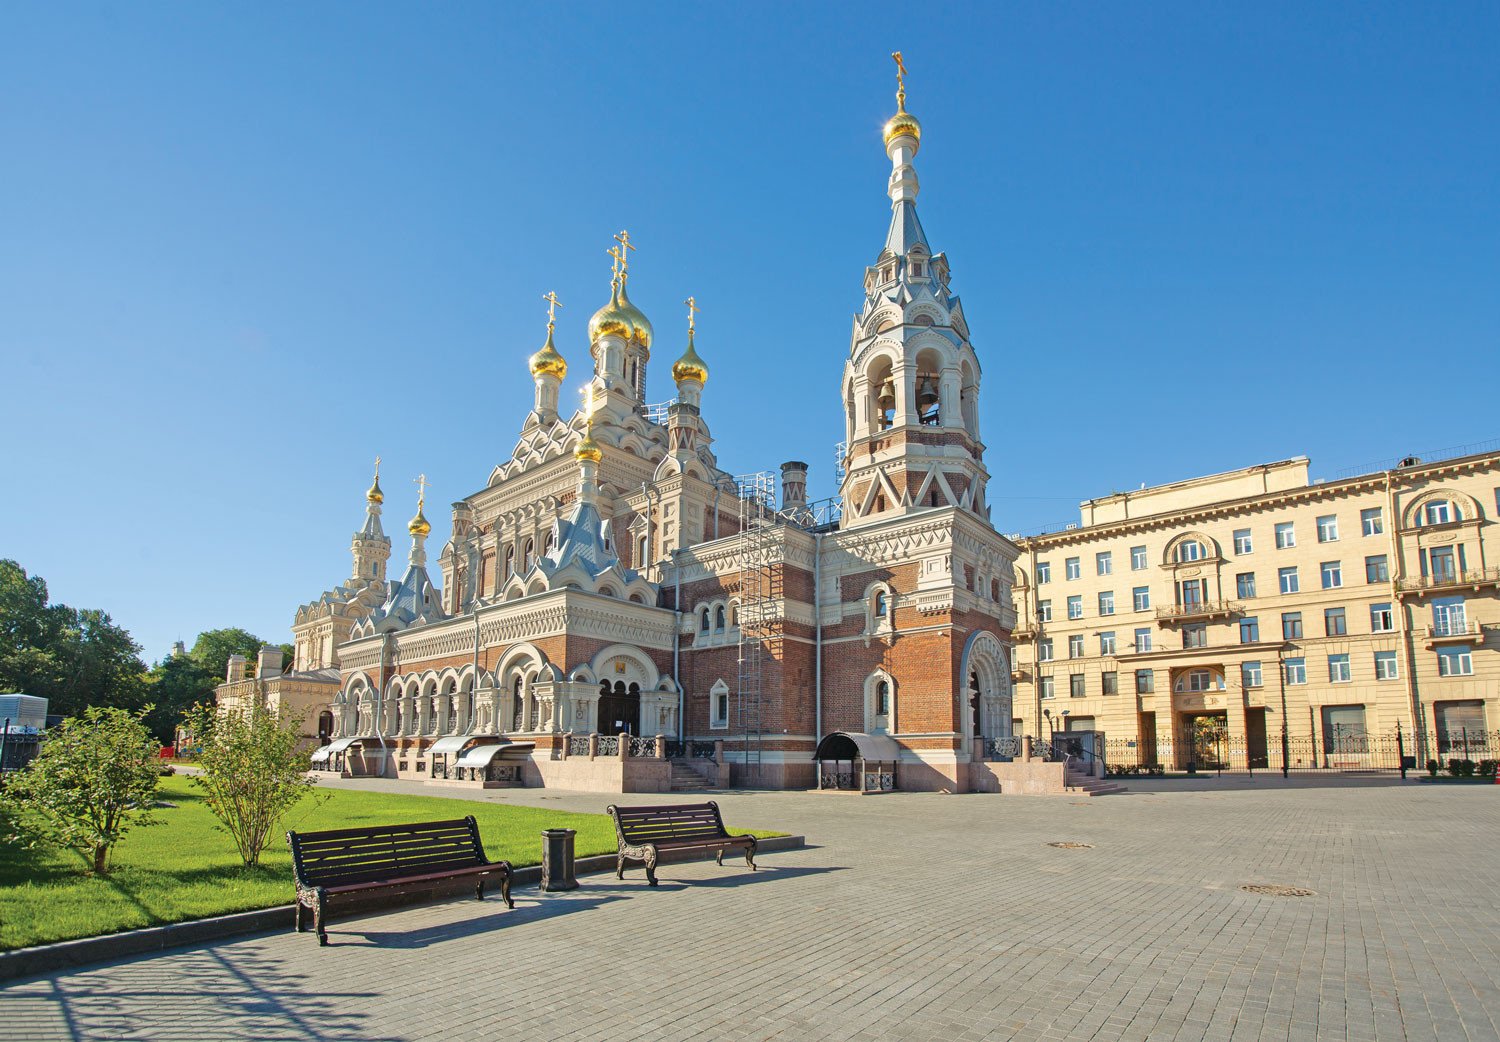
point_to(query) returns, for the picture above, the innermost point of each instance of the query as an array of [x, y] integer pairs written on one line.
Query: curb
[[68, 955]]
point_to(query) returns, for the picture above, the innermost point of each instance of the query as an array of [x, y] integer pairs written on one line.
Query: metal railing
[[1198, 609], [1454, 628], [609, 745], [1468, 577], [1003, 748], [578, 745], [641, 746]]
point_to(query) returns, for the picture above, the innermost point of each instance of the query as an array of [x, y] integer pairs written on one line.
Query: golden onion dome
[[588, 448], [419, 525], [374, 495], [641, 331], [548, 361], [902, 122], [611, 319], [690, 366]]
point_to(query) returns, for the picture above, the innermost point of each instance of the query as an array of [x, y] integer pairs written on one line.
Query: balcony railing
[[1443, 579], [1197, 610]]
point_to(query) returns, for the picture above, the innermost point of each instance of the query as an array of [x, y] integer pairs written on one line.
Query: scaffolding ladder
[[759, 596]]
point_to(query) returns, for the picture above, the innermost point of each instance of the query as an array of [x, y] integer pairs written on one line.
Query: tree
[[254, 770], [175, 685], [94, 778], [71, 657], [213, 647]]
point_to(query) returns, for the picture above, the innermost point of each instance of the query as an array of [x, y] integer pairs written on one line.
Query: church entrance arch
[[619, 707]]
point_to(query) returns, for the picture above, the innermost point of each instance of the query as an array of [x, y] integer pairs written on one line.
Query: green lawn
[[185, 868]]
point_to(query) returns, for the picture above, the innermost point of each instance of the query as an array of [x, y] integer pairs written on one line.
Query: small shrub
[[1487, 768], [1432, 768], [1466, 768]]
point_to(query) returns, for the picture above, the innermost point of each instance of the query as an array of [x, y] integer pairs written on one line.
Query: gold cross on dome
[[421, 484], [552, 305], [377, 468], [693, 309], [614, 251], [900, 80], [625, 247]]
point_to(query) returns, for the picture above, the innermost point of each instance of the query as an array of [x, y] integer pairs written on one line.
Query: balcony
[[1450, 580], [1196, 611], [1455, 631]]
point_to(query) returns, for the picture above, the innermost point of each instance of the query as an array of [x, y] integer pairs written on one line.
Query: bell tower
[[911, 382]]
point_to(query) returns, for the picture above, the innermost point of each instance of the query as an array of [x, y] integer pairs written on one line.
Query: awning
[[451, 744], [856, 745], [322, 753], [481, 755], [334, 748]]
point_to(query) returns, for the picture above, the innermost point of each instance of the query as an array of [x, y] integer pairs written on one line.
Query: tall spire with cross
[[620, 336], [548, 369], [371, 547]]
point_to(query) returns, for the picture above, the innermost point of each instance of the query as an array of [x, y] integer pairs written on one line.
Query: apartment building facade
[[1198, 622]]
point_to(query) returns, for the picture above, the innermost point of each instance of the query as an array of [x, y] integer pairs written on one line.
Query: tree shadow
[[548, 907], [765, 874]]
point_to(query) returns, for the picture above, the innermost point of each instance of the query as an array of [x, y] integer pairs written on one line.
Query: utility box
[[26, 713]]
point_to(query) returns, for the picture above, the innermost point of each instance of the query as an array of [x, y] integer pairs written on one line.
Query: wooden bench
[[402, 858], [648, 833]]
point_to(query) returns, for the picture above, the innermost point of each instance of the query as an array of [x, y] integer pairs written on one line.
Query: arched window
[[640, 551], [528, 557], [510, 561], [883, 698], [719, 617], [516, 705], [703, 620], [994, 589], [607, 591], [1440, 512], [1191, 550], [882, 605]]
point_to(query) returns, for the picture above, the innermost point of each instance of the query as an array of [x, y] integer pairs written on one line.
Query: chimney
[[236, 670], [793, 485], [268, 662]]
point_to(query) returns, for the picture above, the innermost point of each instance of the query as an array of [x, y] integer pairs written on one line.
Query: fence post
[[1401, 749]]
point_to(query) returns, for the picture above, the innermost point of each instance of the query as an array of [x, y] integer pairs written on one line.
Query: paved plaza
[[907, 916]]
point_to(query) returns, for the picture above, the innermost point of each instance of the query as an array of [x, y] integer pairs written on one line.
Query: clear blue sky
[[245, 248]]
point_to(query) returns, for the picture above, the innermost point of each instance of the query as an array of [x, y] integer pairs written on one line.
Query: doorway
[[619, 708], [1204, 741]]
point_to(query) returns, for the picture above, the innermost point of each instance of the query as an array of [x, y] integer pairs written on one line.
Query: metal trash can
[[557, 860]]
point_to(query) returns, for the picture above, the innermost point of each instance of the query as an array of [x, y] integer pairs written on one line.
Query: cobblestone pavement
[[909, 916]]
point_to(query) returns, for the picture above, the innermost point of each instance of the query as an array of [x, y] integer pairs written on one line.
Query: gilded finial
[[548, 361], [552, 305], [624, 250], [419, 525], [900, 81], [616, 266], [903, 123], [690, 366], [693, 309], [588, 448], [374, 495]]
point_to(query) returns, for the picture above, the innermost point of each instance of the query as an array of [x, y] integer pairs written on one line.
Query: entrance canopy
[[481, 755], [856, 745], [451, 744], [322, 753]]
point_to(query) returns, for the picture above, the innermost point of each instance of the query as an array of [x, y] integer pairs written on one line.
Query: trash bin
[[557, 860]]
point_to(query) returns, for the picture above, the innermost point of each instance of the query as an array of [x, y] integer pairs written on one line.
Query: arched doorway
[[619, 707], [325, 726]]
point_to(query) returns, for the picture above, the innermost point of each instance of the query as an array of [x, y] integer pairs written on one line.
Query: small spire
[[549, 361], [690, 366], [900, 81], [374, 495], [419, 525]]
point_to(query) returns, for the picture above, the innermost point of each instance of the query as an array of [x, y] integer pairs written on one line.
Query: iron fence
[[1337, 750]]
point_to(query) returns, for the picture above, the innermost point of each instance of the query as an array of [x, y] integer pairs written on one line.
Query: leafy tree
[[213, 647], [71, 657], [94, 778], [254, 769], [175, 685]]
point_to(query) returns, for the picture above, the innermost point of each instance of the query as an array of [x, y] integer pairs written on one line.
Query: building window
[[1440, 512], [1048, 686], [1450, 617], [1296, 671], [1370, 521], [1333, 574], [1071, 568], [718, 701], [1376, 570], [1104, 562], [1250, 674], [1141, 598], [1142, 640], [1381, 619], [1192, 550], [994, 589], [1440, 564], [1328, 528], [1334, 622], [1111, 681], [1242, 541], [1244, 584], [1044, 650], [1286, 535], [1250, 630], [1044, 611], [1075, 685], [881, 606], [1195, 636], [1385, 666], [1200, 680], [1075, 606], [1288, 579], [1145, 681], [1291, 625], [1043, 572], [703, 623], [1107, 602], [883, 698], [1107, 642], [1338, 669], [1138, 556], [1075, 645]]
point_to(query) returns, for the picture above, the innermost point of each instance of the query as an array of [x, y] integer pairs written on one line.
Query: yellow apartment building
[[1199, 622]]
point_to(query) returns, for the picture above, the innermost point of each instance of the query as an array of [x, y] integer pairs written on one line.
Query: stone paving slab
[[909, 916]]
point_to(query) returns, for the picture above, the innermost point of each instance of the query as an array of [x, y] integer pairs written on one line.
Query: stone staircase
[[685, 779], [1081, 784]]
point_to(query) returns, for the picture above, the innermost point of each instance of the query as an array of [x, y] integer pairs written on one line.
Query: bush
[[1461, 768], [94, 777], [1132, 770], [254, 770], [1487, 768], [1432, 768]]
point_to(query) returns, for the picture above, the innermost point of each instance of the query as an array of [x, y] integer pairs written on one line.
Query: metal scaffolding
[[759, 595]]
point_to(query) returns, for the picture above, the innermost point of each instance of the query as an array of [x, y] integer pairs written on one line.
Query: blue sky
[[246, 248]]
